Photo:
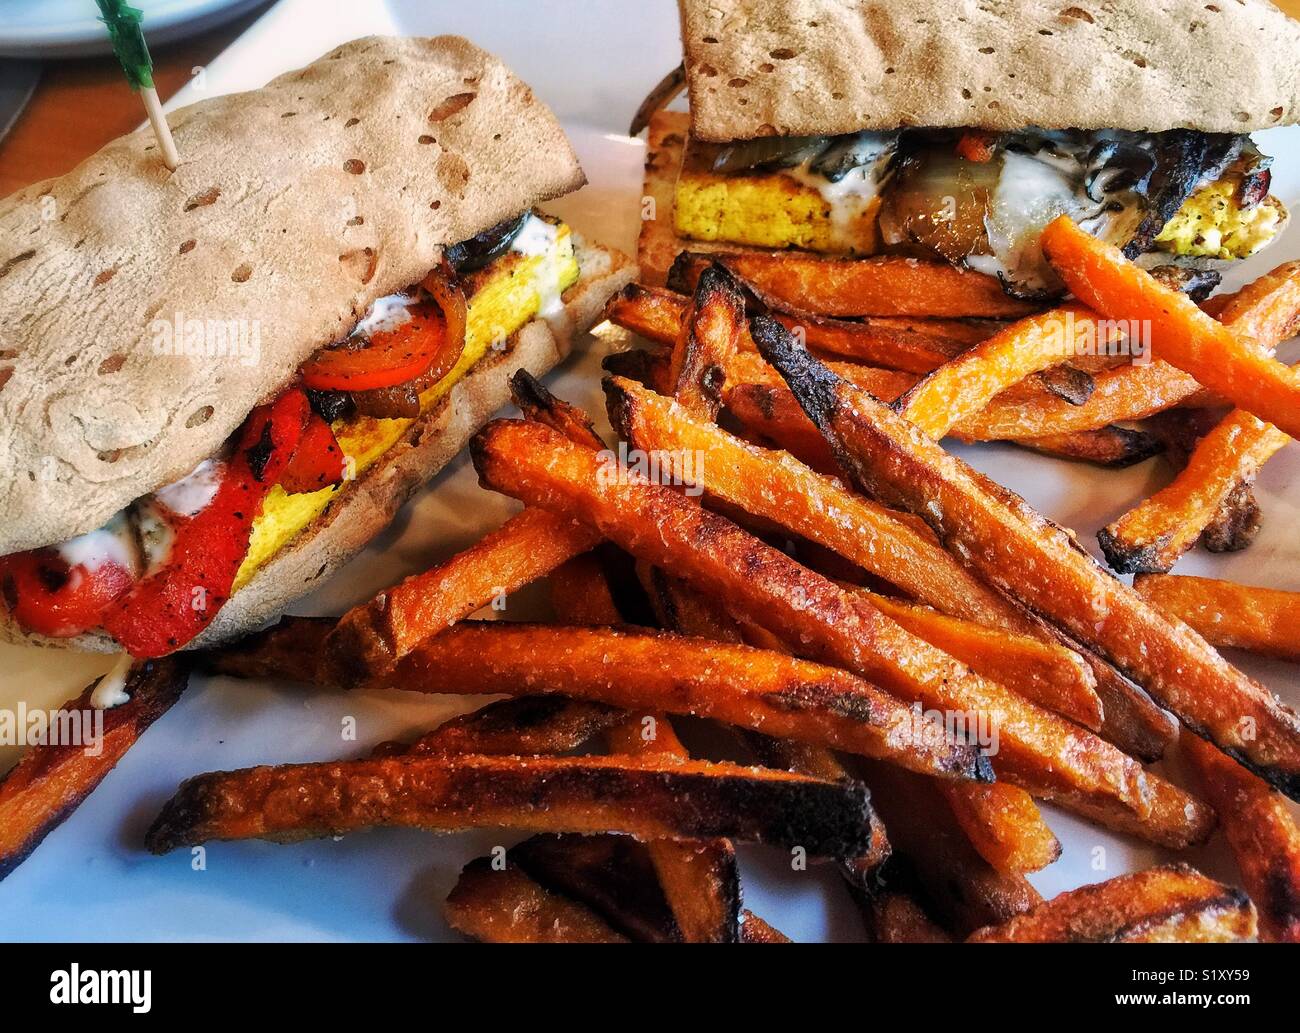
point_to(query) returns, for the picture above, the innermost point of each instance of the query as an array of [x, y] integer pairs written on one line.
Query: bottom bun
[[367, 505]]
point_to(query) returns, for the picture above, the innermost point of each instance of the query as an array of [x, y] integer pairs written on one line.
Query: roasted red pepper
[[317, 463], [46, 595], [977, 145], [428, 344], [166, 610]]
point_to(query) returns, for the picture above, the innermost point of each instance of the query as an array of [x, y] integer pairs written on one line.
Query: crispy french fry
[[778, 487], [1039, 750], [537, 403], [1016, 549], [894, 917], [373, 636], [507, 906], [747, 687], [1150, 538], [683, 800], [1004, 825], [965, 385], [1115, 447], [580, 592], [1262, 834], [802, 284], [962, 890], [612, 875], [289, 649], [1170, 904], [860, 871], [1004, 821], [1235, 523], [767, 407], [707, 341], [754, 930], [50, 782], [700, 881], [1051, 675], [656, 314], [1261, 620], [529, 725], [1221, 359]]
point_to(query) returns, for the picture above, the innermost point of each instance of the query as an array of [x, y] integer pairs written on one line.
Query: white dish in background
[[91, 879], [71, 28]]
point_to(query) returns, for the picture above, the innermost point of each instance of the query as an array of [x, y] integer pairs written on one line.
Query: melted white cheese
[[110, 690]]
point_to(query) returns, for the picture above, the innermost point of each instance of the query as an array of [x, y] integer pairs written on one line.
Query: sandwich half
[[218, 384], [958, 129]]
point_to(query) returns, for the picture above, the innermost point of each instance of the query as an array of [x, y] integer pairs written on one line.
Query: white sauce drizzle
[[110, 690], [536, 239], [387, 313], [849, 199], [192, 493], [112, 543]]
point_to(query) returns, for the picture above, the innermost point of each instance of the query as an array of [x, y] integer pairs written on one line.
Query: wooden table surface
[[82, 104]]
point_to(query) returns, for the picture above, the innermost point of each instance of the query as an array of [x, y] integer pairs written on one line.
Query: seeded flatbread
[[802, 67], [294, 208]]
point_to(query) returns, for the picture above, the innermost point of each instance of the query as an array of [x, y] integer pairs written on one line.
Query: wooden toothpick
[[127, 35]]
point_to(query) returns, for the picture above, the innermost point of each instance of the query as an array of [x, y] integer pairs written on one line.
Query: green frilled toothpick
[[124, 30]]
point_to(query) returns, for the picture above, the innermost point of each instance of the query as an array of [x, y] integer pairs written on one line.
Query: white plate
[[71, 28], [92, 880]]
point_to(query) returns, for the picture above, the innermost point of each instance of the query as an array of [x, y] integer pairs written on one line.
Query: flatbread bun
[[367, 505], [806, 67], [295, 206]]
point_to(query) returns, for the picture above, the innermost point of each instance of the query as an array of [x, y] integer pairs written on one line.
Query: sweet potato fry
[[1219, 357], [748, 687], [656, 314], [894, 917], [1039, 750], [965, 385], [1028, 557], [1169, 904], [612, 875], [754, 930], [707, 341], [1051, 675], [528, 725], [507, 906], [801, 284], [49, 782], [1114, 447], [960, 888], [371, 637], [1004, 825], [700, 881], [768, 407], [1262, 834], [1150, 537], [686, 800], [536, 402], [289, 649], [779, 488], [1261, 620], [1236, 523], [860, 871]]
